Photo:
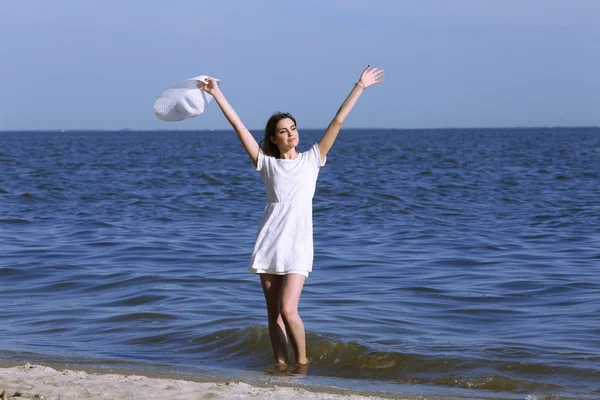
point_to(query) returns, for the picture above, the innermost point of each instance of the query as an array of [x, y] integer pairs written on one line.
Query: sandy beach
[[39, 382]]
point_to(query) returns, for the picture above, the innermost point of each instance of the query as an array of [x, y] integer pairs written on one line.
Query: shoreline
[[36, 381]]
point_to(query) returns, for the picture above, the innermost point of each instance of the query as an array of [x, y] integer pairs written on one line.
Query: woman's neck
[[291, 154]]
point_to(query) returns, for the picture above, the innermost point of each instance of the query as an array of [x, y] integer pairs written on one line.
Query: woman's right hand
[[209, 85]]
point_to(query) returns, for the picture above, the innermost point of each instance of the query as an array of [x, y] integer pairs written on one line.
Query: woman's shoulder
[[311, 149]]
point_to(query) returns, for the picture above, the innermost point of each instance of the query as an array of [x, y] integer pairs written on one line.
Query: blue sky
[[69, 64]]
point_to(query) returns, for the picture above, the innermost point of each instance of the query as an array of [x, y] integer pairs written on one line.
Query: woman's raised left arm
[[367, 78]]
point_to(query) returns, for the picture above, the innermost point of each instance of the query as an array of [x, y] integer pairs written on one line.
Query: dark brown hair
[[268, 147]]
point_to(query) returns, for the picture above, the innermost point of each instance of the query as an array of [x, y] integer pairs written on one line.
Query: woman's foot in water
[[301, 368], [279, 368]]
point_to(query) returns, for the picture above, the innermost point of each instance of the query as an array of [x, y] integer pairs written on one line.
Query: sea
[[459, 263]]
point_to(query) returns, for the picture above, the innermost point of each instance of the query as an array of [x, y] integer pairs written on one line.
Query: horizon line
[[309, 129]]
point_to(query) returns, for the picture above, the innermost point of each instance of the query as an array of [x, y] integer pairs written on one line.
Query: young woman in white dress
[[283, 252]]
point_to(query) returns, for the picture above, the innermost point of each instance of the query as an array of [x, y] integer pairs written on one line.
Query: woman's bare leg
[[271, 285], [290, 297]]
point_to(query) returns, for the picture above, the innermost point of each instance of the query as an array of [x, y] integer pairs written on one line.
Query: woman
[[283, 252]]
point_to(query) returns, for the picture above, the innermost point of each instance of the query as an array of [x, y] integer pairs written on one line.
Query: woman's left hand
[[368, 78]]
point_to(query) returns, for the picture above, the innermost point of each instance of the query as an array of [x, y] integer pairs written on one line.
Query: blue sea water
[[450, 259]]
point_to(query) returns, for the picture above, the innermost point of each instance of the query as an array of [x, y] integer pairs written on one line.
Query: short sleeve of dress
[[317, 155], [260, 160]]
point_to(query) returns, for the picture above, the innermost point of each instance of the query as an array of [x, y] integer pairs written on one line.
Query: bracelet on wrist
[[360, 86]]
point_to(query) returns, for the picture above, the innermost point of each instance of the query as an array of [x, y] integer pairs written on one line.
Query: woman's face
[[286, 135]]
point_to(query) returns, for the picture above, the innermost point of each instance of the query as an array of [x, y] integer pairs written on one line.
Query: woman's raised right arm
[[211, 87]]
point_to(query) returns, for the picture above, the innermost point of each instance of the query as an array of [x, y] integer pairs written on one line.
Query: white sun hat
[[182, 100]]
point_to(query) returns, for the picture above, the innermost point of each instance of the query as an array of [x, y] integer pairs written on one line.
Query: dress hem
[[265, 271]]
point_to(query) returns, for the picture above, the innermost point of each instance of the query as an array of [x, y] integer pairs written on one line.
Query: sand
[[42, 382]]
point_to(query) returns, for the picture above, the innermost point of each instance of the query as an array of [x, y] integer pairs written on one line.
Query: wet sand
[[41, 382]]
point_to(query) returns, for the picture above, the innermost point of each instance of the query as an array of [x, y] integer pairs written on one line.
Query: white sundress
[[284, 241]]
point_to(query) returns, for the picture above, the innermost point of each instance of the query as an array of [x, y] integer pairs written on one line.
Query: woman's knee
[[290, 312]]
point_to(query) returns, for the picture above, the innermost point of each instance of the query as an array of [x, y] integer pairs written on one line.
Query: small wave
[[6, 272], [121, 280], [495, 383], [210, 179], [164, 219], [510, 181], [143, 316], [423, 289], [451, 186], [463, 262], [134, 301], [60, 287], [14, 221], [49, 186], [106, 243], [103, 165], [351, 360], [100, 224], [30, 196]]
